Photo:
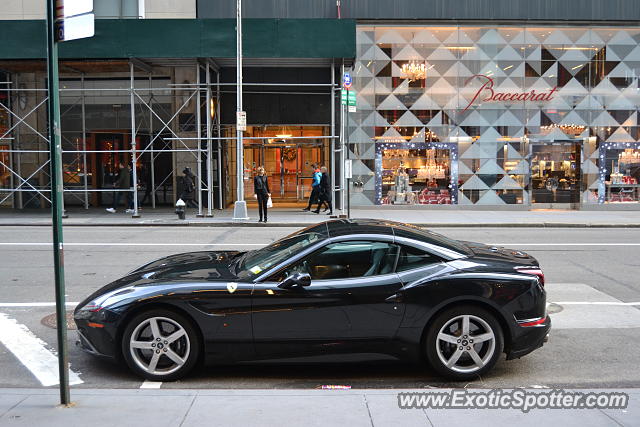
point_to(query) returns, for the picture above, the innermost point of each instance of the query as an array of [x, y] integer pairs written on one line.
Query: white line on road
[[264, 244], [151, 384], [32, 352], [34, 304], [595, 303], [131, 244]]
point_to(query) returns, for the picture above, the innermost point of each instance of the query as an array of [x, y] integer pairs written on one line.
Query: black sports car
[[342, 286]]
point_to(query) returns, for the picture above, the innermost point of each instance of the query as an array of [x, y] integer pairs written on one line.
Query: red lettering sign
[[487, 94]]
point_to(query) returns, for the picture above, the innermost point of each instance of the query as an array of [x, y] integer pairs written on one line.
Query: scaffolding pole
[[209, 162], [153, 154], [219, 143], [134, 153], [199, 135], [84, 147], [332, 160]]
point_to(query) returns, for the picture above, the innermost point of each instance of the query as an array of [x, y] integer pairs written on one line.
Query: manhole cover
[[51, 322], [554, 308]]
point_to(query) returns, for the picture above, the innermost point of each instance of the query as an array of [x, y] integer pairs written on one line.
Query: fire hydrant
[[180, 208]]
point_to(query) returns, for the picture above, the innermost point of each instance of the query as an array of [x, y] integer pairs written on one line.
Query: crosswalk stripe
[[32, 352]]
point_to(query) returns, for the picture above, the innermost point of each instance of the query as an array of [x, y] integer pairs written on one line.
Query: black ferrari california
[[342, 286]]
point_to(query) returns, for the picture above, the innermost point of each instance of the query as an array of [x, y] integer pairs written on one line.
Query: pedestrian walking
[[263, 194], [132, 187], [145, 171], [315, 187], [188, 188], [122, 183], [325, 192]]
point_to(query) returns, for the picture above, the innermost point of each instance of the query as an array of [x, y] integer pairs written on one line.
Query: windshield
[[255, 262]]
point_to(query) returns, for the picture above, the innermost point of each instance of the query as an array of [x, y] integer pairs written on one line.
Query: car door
[[346, 301]]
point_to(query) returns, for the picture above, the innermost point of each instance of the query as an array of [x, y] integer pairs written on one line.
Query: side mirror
[[296, 279]]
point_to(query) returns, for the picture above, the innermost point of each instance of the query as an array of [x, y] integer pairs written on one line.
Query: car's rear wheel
[[464, 342], [160, 345]]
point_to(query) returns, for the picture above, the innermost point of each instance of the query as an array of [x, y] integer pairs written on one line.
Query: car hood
[[191, 267], [500, 254]]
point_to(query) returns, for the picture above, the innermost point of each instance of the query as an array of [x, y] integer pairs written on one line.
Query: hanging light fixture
[[283, 133], [414, 70]]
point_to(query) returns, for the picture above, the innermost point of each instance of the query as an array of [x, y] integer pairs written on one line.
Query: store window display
[[620, 170], [416, 176]]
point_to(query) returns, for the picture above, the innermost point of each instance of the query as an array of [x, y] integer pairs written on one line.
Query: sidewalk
[[294, 217], [353, 408]]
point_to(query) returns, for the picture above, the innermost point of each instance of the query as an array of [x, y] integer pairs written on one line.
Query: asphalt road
[[592, 345]]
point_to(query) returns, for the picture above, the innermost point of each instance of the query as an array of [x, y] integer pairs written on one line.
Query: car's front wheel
[[160, 345], [464, 342]]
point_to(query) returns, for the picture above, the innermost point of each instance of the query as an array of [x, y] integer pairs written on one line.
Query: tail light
[[533, 271]]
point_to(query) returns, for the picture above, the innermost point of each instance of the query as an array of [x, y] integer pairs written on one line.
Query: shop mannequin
[[402, 186]]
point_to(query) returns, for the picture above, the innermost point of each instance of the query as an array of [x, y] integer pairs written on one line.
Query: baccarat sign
[[486, 93]]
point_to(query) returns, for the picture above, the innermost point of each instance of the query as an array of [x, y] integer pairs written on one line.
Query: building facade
[[510, 104]]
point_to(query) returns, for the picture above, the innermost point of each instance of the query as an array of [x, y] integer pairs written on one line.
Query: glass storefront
[[287, 153], [538, 116]]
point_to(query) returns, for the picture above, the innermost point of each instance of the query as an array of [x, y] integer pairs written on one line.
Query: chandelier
[[414, 70]]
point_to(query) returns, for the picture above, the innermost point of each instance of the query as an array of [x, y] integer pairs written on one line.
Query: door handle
[[394, 298]]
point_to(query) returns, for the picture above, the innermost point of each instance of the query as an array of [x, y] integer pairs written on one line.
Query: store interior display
[[623, 183], [555, 173], [416, 176]]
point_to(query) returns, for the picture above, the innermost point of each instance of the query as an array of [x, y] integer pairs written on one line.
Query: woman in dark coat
[[188, 188], [261, 188]]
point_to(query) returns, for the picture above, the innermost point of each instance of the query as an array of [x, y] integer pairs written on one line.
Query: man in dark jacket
[[315, 187], [121, 185], [325, 192], [188, 188]]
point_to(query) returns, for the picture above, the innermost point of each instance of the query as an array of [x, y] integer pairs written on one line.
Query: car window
[[411, 258], [255, 262], [346, 260]]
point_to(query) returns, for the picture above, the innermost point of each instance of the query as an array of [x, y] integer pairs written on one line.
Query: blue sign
[[346, 80]]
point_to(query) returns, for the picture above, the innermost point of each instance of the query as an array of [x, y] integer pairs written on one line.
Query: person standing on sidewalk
[[325, 192], [261, 189], [122, 183], [315, 187], [188, 188]]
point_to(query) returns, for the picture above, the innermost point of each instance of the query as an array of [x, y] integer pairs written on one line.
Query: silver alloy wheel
[[465, 343], [159, 345]]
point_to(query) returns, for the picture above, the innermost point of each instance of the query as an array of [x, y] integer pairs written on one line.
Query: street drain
[[51, 321], [553, 308]]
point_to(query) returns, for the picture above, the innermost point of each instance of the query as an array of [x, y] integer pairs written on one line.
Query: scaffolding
[[152, 131]]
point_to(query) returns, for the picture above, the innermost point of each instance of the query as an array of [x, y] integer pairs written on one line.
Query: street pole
[[56, 201], [240, 207], [346, 153]]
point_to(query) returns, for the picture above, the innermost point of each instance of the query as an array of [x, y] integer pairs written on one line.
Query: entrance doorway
[[555, 174], [108, 149], [287, 153]]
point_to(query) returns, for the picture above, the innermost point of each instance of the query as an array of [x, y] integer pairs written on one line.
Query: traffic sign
[[241, 120], [74, 20], [346, 81], [348, 97]]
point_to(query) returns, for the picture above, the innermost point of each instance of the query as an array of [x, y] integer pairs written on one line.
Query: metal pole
[[56, 202], [134, 153], [209, 174], [240, 208], [84, 147], [332, 160], [219, 142], [199, 135], [347, 180], [153, 154], [342, 132]]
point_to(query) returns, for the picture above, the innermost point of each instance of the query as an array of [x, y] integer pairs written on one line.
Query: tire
[[160, 345], [459, 356]]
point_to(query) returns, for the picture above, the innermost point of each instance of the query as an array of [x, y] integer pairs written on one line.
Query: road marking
[[264, 244], [131, 244], [34, 304], [32, 352], [563, 244], [595, 303], [151, 384]]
